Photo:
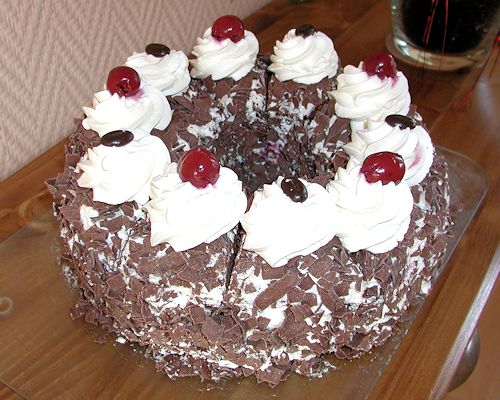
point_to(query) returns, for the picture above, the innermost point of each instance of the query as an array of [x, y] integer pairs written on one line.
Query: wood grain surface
[[7, 394], [461, 109]]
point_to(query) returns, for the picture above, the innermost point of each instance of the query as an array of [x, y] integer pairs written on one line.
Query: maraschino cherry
[[199, 166], [228, 27], [385, 167], [382, 65], [123, 80]]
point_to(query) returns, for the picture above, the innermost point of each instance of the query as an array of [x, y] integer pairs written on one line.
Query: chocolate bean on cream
[[117, 138], [305, 30], [402, 121], [157, 49], [294, 189]]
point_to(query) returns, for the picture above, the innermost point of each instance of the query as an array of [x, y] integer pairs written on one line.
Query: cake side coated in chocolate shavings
[[333, 301], [100, 287], [346, 293], [218, 311]]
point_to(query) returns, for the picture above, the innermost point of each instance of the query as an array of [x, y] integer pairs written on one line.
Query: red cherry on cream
[[385, 167], [123, 80], [199, 166], [382, 65], [228, 27]]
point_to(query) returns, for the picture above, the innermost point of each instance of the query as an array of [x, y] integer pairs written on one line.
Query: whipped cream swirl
[[304, 59], [224, 58], [169, 73], [373, 216], [279, 229], [184, 216], [361, 97], [121, 174], [414, 145], [138, 114]]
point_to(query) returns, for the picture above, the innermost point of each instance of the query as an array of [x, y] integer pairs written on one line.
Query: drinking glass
[[444, 34]]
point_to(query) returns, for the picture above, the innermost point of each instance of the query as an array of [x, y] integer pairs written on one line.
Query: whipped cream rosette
[[372, 215], [410, 141], [304, 57], [140, 114], [162, 68], [121, 173], [185, 216], [224, 51], [279, 228], [362, 94]]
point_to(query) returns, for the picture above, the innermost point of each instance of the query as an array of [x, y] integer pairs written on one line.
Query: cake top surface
[[196, 201]]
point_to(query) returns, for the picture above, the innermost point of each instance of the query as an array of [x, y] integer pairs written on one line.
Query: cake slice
[[304, 65], [336, 301], [226, 63], [115, 240]]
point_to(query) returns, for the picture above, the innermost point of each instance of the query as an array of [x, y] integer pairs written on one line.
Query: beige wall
[[54, 54]]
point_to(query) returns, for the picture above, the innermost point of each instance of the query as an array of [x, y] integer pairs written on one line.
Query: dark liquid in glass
[[427, 25]]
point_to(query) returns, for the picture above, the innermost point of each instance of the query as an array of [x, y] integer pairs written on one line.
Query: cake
[[257, 216]]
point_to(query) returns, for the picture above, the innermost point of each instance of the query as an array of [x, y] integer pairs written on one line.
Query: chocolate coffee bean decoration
[[157, 49], [294, 189], [117, 138], [305, 30], [401, 121]]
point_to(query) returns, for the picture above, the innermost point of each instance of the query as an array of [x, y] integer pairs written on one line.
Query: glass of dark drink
[[444, 34]]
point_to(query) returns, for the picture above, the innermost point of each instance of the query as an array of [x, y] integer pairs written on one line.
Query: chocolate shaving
[[211, 330], [276, 290]]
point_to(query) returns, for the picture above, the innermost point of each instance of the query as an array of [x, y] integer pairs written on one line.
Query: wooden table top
[[461, 110]]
